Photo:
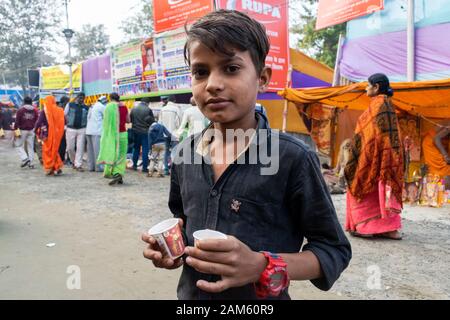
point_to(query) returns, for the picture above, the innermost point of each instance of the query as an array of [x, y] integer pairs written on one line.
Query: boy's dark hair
[[114, 97], [81, 95], [28, 100], [224, 30]]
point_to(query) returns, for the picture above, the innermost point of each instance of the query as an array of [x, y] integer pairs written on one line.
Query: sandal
[[117, 179], [360, 235], [389, 235]]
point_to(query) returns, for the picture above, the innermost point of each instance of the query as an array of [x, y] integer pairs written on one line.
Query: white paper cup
[[208, 234], [169, 237]]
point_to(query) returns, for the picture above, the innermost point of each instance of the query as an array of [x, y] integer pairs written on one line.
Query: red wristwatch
[[274, 278]]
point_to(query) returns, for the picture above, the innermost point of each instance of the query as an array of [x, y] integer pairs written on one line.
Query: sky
[[108, 12], [111, 13]]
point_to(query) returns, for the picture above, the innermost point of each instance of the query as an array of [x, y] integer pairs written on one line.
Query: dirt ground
[[97, 228]]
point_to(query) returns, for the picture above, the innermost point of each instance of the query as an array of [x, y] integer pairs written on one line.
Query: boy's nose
[[215, 82]]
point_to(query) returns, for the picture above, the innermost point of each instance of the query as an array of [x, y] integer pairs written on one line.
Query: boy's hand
[[233, 260], [153, 252]]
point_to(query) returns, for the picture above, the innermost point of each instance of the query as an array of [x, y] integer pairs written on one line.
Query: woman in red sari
[[50, 129], [375, 169]]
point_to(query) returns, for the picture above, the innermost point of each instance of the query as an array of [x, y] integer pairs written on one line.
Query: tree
[[26, 34], [140, 25], [90, 41], [320, 44]]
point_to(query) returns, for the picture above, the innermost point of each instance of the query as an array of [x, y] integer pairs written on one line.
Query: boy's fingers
[[147, 238], [218, 244], [210, 267], [152, 254], [213, 287], [165, 263], [211, 256]]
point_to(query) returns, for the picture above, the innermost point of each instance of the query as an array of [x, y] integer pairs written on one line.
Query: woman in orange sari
[[50, 129], [375, 169]]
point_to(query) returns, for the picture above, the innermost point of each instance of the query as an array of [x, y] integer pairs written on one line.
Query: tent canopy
[[306, 73], [425, 98]]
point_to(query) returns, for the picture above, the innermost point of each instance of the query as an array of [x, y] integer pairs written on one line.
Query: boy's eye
[[232, 68], [199, 73]]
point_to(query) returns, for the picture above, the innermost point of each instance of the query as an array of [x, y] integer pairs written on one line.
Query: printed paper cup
[[169, 237], [208, 234]]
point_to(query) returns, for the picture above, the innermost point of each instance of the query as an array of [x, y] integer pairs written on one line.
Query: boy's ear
[[264, 79]]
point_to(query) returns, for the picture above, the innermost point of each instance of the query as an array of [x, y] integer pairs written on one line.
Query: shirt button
[[214, 193]]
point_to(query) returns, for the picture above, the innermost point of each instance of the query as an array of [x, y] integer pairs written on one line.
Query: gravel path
[[96, 230]]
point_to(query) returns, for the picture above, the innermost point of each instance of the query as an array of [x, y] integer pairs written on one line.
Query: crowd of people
[[65, 131]]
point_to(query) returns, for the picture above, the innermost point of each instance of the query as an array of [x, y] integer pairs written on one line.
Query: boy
[[266, 217]]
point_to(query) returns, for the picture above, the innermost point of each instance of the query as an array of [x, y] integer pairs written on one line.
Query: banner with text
[[58, 78], [149, 67], [332, 12], [172, 14], [127, 68], [171, 69], [273, 14]]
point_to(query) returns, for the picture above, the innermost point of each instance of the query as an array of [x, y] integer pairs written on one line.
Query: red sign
[[273, 14], [172, 14], [332, 12]]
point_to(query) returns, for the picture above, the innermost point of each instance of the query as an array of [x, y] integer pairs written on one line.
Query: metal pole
[[337, 69], [336, 82], [286, 103], [4, 83], [411, 73], [70, 51], [67, 14], [70, 69]]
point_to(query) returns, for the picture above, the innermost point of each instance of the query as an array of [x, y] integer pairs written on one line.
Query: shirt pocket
[[244, 209], [248, 220]]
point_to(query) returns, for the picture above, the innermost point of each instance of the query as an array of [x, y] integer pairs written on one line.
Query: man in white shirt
[[193, 121], [170, 117], [94, 132]]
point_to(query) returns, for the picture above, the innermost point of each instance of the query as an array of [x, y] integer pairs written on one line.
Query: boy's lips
[[217, 103]]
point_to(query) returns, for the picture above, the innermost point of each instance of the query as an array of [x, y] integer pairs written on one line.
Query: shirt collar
[[207, 136]]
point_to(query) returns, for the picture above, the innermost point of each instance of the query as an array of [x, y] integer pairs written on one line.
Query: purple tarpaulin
[[97, 76], [299, 80], [386, 53]]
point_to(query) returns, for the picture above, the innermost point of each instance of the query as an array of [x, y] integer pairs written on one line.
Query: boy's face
[[225, 88]]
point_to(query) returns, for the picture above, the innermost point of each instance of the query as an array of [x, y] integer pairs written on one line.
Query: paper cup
[[208, 234], [169, 237]]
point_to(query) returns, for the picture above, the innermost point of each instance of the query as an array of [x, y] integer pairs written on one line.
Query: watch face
[[277, 281]]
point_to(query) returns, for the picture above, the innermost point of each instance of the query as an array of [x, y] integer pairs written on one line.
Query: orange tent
[[426, 98]]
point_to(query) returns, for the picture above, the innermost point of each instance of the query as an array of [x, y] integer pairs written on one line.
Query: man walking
[[26, 118], [94, 132], [76, 116], [169, 117], [141, 120]]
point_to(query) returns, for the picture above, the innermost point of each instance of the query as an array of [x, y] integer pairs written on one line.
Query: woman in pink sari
[[375, 169]]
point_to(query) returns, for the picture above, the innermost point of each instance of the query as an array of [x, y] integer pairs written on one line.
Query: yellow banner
[[58, 77]]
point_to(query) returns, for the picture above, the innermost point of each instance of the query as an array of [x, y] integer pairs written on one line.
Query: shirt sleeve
[[41, 121], [18, 122], [311, 203], [150, 117], [184, 121]]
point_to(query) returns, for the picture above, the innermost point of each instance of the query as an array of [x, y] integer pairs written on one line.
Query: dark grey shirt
[[275, 213], [142, 118]]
